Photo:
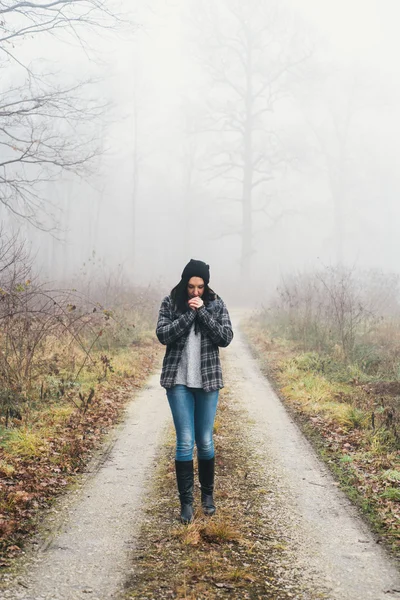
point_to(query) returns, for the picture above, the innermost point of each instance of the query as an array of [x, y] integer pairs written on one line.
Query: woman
[[193, 322]]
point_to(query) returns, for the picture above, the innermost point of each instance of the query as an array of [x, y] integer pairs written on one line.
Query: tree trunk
[[135, 189], [339, 224], [247, 225], [187, 208]]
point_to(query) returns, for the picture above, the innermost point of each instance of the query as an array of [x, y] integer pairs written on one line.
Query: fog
[[260, 137]]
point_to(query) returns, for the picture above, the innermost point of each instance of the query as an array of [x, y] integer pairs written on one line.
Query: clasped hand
[[195, 303]]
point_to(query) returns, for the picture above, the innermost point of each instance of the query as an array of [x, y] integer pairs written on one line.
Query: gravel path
[[332, 540], [85, 544], [93, 528]]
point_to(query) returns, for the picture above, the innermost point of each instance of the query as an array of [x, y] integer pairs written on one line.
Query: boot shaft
[[206, 475], [185, 480]]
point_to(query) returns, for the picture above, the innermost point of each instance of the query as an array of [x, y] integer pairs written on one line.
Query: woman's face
[[195, 287]]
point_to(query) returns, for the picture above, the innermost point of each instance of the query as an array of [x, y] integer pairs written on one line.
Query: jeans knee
[[184, 449], [205, 449]]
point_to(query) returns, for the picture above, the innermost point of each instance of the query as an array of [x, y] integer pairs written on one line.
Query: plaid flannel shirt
[[173, 329]]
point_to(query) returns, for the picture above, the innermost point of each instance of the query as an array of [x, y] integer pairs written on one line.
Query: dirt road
[[84, 547]]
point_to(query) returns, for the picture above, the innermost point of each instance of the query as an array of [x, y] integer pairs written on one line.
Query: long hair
[[180, 296]]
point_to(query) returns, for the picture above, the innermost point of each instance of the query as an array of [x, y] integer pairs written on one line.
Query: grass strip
[[237, 553]]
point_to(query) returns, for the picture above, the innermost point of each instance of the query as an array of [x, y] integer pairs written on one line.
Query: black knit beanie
[[196, 268]]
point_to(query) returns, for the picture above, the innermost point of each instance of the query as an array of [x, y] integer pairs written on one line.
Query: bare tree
[[343, 111], [142, 115], [45, 128], [332, 124], [190, 161], [249, 50], [21, 19], [136, 163]]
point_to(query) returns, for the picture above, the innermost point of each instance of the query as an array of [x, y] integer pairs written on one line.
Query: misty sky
[[362, 30], [353, 40]]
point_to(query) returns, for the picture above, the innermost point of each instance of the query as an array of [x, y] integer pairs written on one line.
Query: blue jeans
[[193, 411]]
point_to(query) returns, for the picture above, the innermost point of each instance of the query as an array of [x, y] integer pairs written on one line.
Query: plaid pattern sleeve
[[168, 329], [218, 325]]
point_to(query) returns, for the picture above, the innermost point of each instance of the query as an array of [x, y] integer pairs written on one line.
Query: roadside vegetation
[[330, 343], [68, 364]]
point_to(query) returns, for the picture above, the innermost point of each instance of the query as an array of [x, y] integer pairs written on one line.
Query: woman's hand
[[195, 303]]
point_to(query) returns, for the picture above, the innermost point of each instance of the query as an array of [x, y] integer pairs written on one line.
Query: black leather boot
[[185, 481], [206, 477]]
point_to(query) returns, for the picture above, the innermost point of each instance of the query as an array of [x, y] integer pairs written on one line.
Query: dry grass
[[6, 469], [221, 530], [26, 444], [188, 535], [218, 530]]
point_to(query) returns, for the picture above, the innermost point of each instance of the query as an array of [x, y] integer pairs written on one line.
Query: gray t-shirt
[[189, 368]]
